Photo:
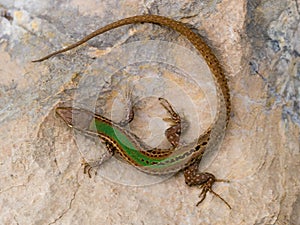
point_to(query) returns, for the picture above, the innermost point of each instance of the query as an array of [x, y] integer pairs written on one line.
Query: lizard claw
[[87, 168], [207, 186]]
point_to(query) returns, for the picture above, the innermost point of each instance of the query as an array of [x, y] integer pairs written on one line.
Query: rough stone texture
[[41, 179]]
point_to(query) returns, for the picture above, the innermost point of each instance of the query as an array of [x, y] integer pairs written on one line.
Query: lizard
[[186, 158]]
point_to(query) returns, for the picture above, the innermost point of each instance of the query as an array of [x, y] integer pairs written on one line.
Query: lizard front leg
[[173, 132], [88, 166]]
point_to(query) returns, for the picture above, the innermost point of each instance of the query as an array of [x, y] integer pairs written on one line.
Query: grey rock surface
[[42, 180]]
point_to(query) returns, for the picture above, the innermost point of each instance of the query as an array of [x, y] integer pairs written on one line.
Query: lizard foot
[[87, 168], [207, 187]]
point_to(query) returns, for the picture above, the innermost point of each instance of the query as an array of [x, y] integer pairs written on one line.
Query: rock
[[42, 180]]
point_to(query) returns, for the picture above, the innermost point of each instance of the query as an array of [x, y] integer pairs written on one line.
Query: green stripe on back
[[124, 142], [129, 147]]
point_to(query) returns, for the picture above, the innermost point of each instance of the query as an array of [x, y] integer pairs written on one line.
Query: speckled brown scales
[[191, 173]]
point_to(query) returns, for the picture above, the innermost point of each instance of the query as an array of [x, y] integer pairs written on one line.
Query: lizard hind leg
[[203, 180], [174, 131]]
